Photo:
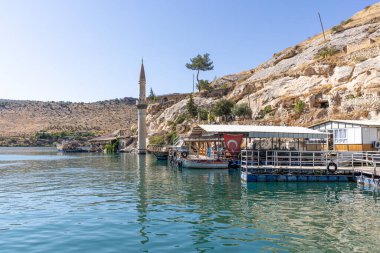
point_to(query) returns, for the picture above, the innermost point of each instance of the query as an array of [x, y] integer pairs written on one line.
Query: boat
[[160, 152], [180, 157], [194, 163], [161, 155], [72, 147]]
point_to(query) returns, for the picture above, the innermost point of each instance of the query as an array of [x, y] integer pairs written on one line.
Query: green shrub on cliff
[[299, 106], [157, 140], [222, 108], [327, 52], [242, 110]]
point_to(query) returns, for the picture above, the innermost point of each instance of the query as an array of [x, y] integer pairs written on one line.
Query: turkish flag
[[233, 142]]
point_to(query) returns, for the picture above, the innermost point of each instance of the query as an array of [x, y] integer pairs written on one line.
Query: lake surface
[[52, 202]]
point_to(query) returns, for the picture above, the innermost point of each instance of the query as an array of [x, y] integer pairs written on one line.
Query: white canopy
[[266, 131]]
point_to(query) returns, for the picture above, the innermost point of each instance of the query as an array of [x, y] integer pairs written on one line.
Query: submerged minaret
[[141, 109]]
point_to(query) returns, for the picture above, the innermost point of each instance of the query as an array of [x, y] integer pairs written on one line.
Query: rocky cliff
[[333, 77]]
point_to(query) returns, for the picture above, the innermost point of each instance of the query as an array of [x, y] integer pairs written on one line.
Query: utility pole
[[323, 30]]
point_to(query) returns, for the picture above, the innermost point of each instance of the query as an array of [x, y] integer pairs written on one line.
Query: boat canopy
[[261, 131]]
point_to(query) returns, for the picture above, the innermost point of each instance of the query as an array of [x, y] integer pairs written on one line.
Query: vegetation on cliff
[[336, 77]]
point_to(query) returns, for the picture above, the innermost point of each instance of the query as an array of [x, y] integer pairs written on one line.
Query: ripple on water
[[125, 202]]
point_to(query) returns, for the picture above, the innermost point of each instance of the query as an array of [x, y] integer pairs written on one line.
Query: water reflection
[[128, 202], [142, 205]]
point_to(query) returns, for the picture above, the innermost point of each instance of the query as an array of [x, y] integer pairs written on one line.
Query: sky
[[91, 50]]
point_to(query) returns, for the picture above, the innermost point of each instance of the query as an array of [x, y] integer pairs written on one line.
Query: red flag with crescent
[[233, 142]]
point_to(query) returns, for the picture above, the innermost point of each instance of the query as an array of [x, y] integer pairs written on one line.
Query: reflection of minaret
[[142, 203], [141, 108]]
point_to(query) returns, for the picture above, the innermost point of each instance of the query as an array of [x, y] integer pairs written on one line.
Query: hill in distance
[[26, 118]]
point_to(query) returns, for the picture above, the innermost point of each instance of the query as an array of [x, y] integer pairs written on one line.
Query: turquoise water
[[51, 202]]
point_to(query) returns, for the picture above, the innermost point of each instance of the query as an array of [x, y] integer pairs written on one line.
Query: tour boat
[[195, 163]]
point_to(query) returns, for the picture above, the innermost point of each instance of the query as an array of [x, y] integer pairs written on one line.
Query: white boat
[[204, 164], [71, 146]]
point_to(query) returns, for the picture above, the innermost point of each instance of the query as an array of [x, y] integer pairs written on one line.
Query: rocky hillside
[[26, 118], [336, 77]]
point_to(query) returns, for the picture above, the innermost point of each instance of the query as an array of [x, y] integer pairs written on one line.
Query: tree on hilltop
[[200, 63]]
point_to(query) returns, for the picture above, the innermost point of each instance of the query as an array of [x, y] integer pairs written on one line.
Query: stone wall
[[370, 42]]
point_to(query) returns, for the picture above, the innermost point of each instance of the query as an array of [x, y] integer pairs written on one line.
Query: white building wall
[[358, 135], [350, 136], [373, 135], [369, 135], [354, 135]]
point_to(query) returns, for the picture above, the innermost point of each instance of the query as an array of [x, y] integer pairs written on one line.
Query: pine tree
[[192, 109], [200, 63], [152, 96]]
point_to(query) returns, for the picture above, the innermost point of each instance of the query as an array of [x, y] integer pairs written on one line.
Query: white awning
[[266, 131], [365, 123]]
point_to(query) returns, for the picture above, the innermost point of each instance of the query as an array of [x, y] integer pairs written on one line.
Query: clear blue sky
[[89, 50]]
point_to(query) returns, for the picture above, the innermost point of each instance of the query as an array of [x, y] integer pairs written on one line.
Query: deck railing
[[308, 159]]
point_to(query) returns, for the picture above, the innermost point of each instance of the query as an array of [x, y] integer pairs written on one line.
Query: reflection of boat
[[367, 181], [71, 146]]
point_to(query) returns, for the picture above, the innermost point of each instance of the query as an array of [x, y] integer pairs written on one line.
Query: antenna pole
[[323, 30]]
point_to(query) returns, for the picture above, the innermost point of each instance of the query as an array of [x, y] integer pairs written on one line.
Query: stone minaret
[[141, 109]]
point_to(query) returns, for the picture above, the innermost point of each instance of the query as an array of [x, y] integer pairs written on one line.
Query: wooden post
[[323, 30]]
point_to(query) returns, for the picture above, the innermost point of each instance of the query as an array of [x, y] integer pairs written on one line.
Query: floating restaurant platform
[[307, 166], [287, 154]]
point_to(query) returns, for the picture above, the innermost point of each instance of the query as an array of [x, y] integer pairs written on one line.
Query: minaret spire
[[142, 82], [141, 109]]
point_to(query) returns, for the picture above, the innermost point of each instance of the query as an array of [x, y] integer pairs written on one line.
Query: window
[[340, 136]]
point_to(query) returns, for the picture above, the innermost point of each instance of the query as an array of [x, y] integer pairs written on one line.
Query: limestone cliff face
[[336, 78]]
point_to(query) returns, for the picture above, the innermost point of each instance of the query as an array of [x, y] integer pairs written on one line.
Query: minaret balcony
[[141, 104]]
